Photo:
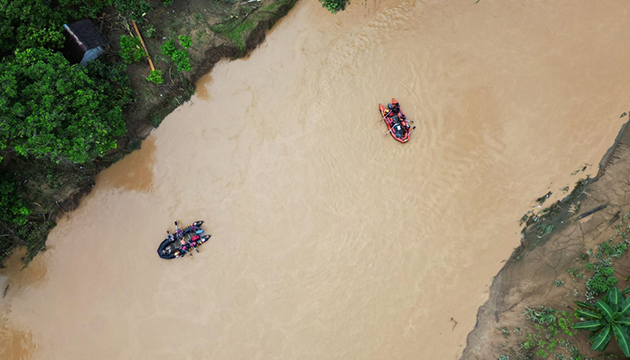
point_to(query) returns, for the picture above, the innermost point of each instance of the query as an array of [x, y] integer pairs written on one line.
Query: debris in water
[[542, 199]]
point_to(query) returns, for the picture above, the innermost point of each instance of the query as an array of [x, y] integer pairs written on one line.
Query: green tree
[[29, 23], [606, 318], [53, 110]]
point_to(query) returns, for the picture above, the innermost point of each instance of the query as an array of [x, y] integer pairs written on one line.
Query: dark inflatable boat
[[183, 241]]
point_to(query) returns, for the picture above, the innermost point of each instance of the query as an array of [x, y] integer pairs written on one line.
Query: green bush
[[334, 5], [182, 60], [149, 31], [615, 251], [601, 281], [607, 317], [185, 41], [180, 57], [168, 48], [131, 49], [156, 77]]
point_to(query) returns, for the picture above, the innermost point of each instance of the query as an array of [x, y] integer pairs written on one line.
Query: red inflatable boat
[[396, 121]]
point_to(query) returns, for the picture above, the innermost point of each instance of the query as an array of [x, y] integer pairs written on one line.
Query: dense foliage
[[51, 109], [179, 56], [156, 77], [334, 5], [131, 49], [603, 280], [607, 318], [185, 41], [29, 23]]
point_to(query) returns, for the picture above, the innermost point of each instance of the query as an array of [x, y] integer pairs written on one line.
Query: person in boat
[[394, 108], [398, 116], [195, 241], [170, 236], [179, 233]]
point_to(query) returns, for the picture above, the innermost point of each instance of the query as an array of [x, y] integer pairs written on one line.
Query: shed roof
[[88, 34]]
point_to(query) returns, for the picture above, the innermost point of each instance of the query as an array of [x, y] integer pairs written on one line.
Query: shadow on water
[[15, 343], [136, 172]]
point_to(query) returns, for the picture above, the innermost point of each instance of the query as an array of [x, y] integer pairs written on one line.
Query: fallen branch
[[143, 46], [592, 211], [12, 233]]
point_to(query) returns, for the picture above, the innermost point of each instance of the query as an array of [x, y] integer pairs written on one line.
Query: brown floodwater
[[330, 239]]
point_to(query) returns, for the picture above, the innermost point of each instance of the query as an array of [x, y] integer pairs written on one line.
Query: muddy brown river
[[330, 239]]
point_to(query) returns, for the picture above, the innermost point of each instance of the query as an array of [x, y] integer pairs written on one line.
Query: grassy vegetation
[[244, 19], [542, 223]]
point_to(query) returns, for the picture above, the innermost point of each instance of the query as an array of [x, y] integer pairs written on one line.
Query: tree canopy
[[52, 109], [29, 23]]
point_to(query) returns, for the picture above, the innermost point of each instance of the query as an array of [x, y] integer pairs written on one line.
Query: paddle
[[386, 115]]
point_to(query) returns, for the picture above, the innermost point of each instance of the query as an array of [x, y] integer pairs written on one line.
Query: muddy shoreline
[[527, 278]]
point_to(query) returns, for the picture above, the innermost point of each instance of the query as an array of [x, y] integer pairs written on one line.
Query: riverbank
[[548, 272], [218, 30]]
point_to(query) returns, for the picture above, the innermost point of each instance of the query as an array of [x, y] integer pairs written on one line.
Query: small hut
[[84, 42]]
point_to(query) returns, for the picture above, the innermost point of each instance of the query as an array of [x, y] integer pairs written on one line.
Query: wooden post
[[143, 46]]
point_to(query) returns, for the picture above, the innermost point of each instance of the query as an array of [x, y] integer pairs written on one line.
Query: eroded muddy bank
[[548, 270]]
